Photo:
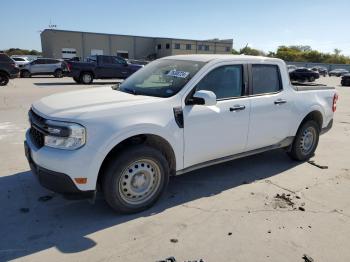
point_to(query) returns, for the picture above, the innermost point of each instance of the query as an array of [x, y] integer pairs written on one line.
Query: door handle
[[280, 101], [237, 108]]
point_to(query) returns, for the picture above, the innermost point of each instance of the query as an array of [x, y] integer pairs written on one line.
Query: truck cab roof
[[218, 57]]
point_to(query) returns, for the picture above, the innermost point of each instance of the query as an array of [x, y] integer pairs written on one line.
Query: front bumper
[[55, 181]]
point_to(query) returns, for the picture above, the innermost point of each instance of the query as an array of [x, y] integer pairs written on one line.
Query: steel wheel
[[139, 181], [87, 78], [307, 140]]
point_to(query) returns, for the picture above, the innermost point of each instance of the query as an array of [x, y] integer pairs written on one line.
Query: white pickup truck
[[175, 115]]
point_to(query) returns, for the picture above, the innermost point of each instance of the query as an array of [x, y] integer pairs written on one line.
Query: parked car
[[45, 66], [8, 69], [338, 72], [303, 74], [175, 115], [321, 70], [291, 68], [101, 67], [345, 80], [20, 61]]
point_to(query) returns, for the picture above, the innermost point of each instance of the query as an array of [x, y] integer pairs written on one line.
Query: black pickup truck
[[101, 67], [8, 69]]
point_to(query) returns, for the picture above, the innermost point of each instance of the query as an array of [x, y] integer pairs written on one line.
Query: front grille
[[36, 132]]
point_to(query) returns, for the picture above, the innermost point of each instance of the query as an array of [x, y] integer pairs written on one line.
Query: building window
[[177, 46], [200, 47], [228, 49], [159, 46], [188, 46], [167, 46], [206, 48]]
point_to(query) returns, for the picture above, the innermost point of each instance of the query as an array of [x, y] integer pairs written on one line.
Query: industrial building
[[69, 44]]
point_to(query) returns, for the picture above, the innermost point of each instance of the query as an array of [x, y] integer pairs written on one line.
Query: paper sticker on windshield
[[180, 74]]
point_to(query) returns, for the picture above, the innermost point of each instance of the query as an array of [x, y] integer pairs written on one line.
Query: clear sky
[[263, 24]]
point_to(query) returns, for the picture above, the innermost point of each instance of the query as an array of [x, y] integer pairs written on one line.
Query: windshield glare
[[161, 78]]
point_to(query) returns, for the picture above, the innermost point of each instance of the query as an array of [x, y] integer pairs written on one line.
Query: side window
[[107, 60], [224, 81], [266, 79], [119, 60], [39, 62]]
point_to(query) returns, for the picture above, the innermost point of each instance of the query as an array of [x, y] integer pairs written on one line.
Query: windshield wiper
[[129, 90]]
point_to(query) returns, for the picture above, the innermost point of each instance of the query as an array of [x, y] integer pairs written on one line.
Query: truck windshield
[[161, 78]]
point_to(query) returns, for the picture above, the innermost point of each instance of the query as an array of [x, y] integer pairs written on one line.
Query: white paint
[[96, 52], [211, 132]]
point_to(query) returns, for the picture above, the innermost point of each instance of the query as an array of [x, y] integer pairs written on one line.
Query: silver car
[[44, 66]]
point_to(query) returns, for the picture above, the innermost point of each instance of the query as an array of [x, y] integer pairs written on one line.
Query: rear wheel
[[25, 74], [135, 180], [86, 78], [4, 79], [305, 142], [58, 73]]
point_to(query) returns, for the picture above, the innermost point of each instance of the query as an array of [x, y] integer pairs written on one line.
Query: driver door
[[214, 132]]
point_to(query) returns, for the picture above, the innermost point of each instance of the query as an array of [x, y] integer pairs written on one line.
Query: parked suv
[[8, 69], [20, 61], [45, 66]]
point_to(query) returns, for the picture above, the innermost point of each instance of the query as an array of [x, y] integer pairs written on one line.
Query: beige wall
[[163, 51], [145, 46], [55, 41], [95, 41], [138, 47]]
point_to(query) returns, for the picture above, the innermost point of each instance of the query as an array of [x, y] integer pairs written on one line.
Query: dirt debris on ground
[[307, 258]]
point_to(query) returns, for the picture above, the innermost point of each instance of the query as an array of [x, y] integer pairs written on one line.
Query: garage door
[[96, 52]]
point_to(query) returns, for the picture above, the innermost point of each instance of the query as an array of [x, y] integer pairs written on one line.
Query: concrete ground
[[227, 212]]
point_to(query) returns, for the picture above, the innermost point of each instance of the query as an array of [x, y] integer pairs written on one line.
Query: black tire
[[311, 79], [58, 73], [299, 151], [4, 79], [86, 78], [25, 74], [125, 166], [77, 80]]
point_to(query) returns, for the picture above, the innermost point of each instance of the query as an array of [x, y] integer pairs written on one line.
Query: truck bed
[[298, 86]]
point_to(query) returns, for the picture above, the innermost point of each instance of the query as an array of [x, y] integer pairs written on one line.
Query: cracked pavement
[[226, 212]]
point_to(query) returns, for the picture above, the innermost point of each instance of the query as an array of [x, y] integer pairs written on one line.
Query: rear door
[[38, 66], [271, 111], [213, 132], [108, 67]]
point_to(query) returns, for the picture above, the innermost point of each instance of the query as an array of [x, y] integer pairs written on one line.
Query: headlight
[[64, 135]]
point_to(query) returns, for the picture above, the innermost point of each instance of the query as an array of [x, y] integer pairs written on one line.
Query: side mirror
[[203, 97]]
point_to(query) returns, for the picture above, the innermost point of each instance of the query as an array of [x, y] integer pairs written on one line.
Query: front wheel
[[25, 74], [305, 142], [311, 79], [58, 73], [135, 180], [4, 79]]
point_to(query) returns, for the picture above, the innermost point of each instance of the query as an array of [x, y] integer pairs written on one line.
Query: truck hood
[[75, 104]]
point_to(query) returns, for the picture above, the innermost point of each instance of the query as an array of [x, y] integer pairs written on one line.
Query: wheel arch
[[315, 115], [5, 73], [87, 71], [153, 140]]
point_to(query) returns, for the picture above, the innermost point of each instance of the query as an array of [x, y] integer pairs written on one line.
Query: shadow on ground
[[65, 224]]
